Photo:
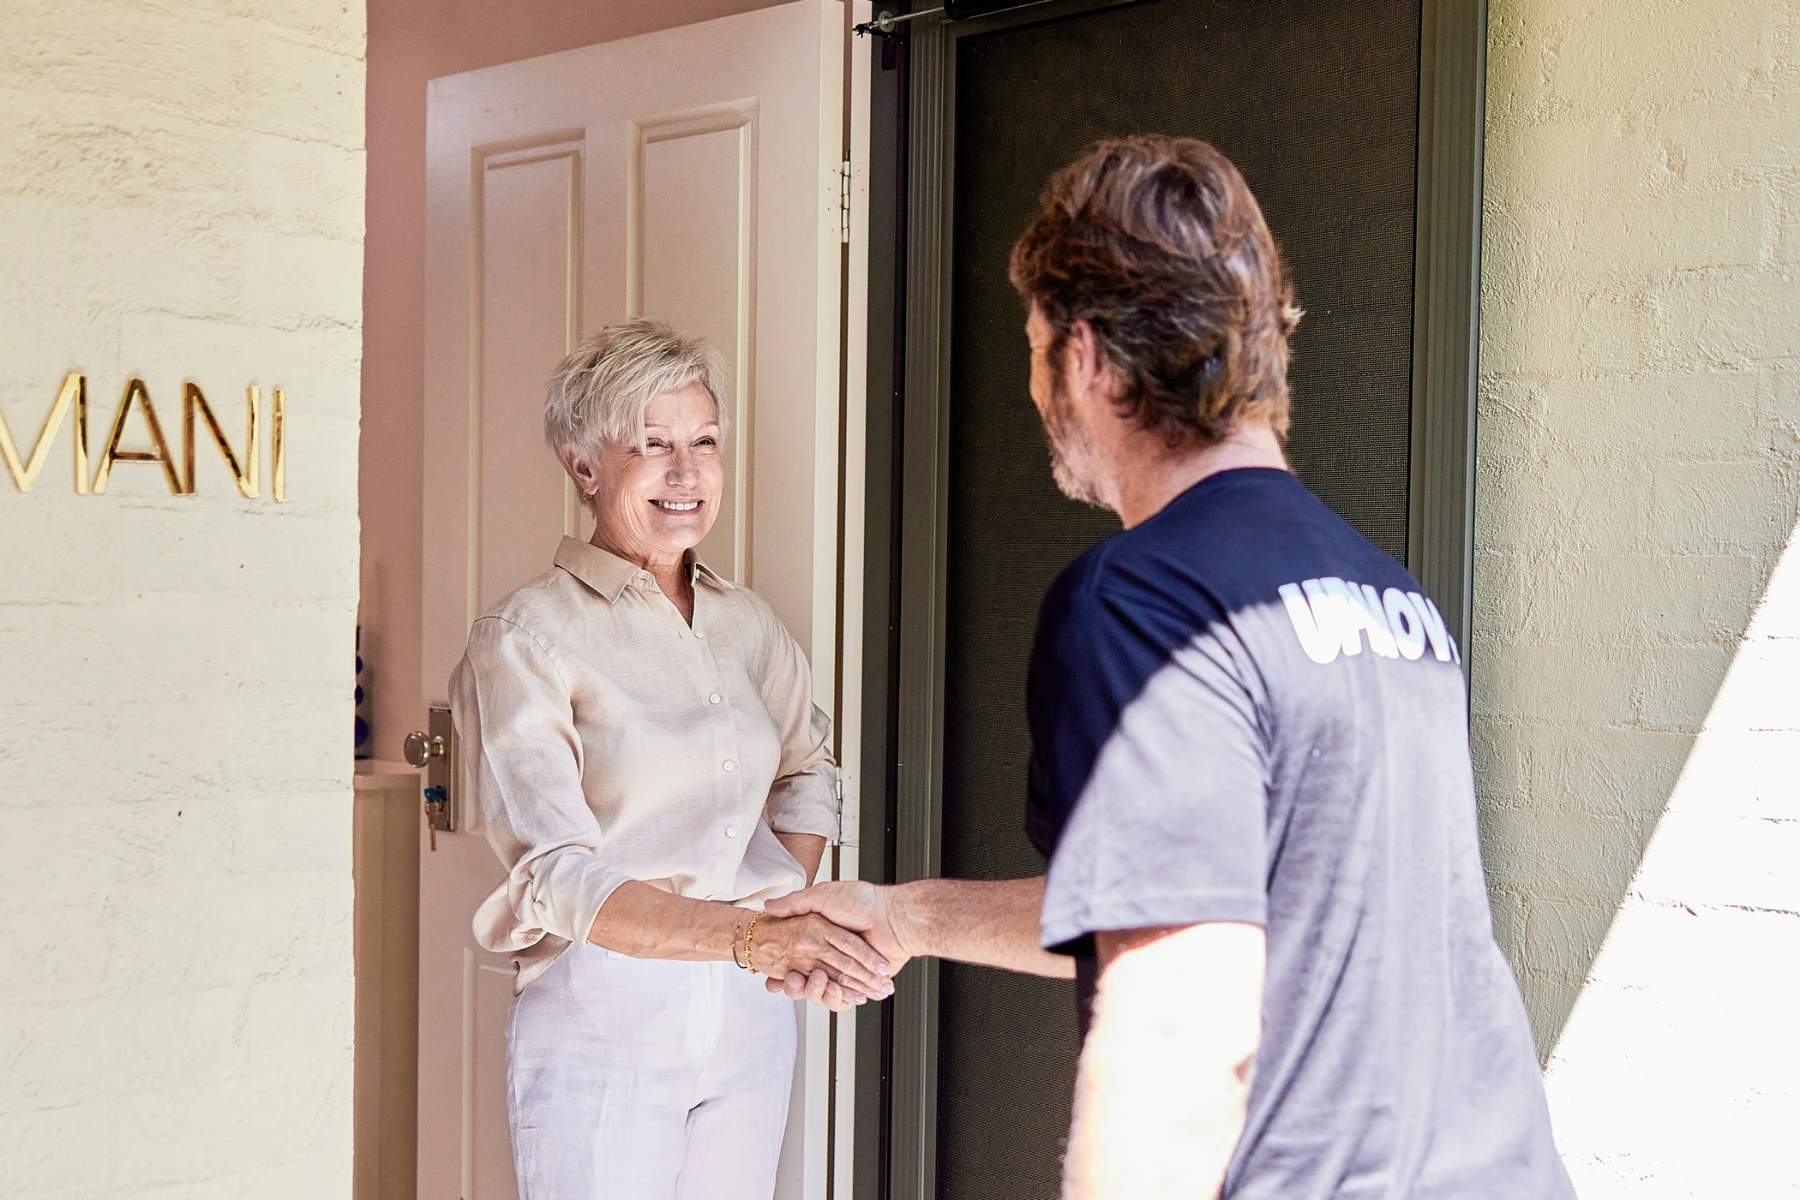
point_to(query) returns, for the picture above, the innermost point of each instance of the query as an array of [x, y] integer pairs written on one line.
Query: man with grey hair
[[1250, 761]]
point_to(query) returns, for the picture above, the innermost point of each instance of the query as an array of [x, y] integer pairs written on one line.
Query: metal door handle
[[434, 749], [421, 747]]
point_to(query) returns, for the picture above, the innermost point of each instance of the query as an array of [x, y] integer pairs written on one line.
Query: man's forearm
[[993, 923]]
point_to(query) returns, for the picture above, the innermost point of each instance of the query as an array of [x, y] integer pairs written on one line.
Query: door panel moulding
[[565, 148], [740, 119]]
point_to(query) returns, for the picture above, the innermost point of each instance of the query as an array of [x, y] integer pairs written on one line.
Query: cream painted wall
[[411, 42], [1637, 732], [181, 194]]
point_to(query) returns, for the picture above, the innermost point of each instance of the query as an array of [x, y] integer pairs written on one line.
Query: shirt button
[[731, 831], [699, 633], [713, 699], [729, 765]]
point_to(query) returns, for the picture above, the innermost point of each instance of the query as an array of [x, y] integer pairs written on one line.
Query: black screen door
[[1319, 106]]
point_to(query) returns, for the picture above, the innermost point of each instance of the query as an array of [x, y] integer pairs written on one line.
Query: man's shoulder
[[1241, 534], [1074, 585]]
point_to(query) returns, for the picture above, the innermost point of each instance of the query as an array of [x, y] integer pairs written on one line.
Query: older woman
[[648, 764]]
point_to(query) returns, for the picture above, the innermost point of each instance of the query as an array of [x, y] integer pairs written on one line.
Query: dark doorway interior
[[1318, 106]]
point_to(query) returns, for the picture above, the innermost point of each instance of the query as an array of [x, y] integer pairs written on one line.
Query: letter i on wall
[[278, 420]]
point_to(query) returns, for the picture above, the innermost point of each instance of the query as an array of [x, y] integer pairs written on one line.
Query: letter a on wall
[[134, 391]]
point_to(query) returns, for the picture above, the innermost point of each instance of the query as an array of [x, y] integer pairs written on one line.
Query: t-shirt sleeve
[[1167, 814]]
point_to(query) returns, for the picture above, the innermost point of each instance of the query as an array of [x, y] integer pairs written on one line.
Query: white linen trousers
[[646, 1079]]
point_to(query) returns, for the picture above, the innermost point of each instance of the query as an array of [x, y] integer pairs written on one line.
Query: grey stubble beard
[[1071, 457]]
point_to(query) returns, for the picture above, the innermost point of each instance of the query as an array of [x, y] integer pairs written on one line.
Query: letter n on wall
[[247, 476]]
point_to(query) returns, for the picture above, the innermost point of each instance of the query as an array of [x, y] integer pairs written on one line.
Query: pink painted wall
[[411, 42]]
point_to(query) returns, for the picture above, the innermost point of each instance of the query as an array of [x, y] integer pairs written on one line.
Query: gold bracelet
[[749, 938]]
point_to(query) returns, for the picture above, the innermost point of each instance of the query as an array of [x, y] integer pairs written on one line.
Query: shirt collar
[[699, 572], [610, 575]]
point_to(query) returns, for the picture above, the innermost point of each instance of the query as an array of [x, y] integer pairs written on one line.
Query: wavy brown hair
[[1159, 246]]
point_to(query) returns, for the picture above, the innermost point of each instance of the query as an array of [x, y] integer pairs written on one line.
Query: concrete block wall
[[181, 198], [1636, 647]]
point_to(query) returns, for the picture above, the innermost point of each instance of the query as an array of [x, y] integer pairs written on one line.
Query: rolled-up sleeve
[[803, 798], [523, 760]]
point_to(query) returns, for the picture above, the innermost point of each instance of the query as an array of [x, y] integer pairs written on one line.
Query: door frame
[[906, 511]]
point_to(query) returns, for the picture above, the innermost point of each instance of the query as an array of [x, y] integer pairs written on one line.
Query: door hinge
[[844, 212]]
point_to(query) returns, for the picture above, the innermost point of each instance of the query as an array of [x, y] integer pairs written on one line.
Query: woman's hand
[[820, 989], [808, 943]]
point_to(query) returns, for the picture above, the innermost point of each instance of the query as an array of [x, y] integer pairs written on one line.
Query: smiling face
[[654, 504]]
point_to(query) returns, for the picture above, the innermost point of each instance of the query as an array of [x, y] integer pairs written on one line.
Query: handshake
[[860, 925], [840, 944]]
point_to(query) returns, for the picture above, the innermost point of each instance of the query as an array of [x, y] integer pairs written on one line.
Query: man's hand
[[854, 905]]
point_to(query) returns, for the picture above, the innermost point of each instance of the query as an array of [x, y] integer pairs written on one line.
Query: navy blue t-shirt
[[1241, 710]]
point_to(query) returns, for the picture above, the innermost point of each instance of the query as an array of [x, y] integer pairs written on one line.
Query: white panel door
[[690, 175]]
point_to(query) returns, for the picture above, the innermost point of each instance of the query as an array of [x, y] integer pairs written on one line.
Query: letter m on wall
[[73, 394]]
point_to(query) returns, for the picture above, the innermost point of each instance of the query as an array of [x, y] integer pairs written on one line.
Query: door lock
[[434, 749]]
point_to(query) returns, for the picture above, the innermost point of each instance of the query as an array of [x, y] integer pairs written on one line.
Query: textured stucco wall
[[1639, 467], [181, 197]]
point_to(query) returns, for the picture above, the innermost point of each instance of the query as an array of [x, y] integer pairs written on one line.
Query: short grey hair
[[598, 394]]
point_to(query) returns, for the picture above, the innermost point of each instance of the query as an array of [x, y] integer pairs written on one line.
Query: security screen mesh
[[1317, 104]]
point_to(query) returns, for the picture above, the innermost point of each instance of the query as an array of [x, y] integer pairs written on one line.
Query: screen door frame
[[911, 207]]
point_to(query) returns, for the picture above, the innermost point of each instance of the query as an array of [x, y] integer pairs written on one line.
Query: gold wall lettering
[[72, 394], [245, 472], [249, 484], [134, 390], [279, 421]]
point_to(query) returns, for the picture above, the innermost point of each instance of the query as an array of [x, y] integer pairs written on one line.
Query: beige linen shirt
[[606, 740]]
